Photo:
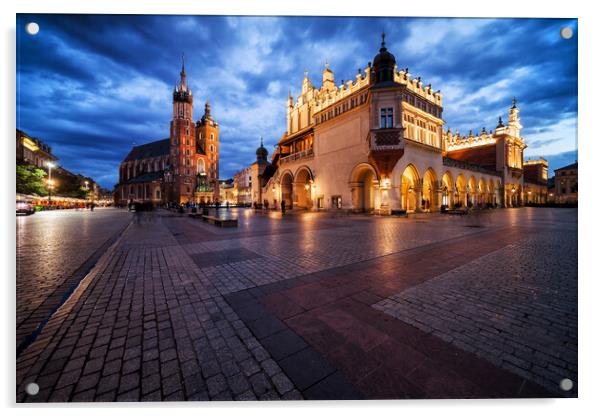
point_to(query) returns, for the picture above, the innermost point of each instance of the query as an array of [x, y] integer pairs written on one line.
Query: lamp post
[[50, 165], [87, 190]]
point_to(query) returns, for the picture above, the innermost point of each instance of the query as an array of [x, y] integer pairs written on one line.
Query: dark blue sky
[[91, 86]]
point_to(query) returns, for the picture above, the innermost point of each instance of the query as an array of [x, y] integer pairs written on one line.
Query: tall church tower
[[182, 143]]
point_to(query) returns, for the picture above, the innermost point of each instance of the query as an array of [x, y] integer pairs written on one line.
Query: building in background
[[33, 151], [251, 181], [565, 184], [535, 172], [242, 186], [33, 155], [227, 192], [180, 169], [377, 144]]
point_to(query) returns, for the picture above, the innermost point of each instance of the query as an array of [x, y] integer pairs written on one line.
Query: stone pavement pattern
[[278, 308], [51, 247], [516, 307]]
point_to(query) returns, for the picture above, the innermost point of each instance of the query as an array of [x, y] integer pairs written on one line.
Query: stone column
[[395, 198], [418, 195], [384, 198]]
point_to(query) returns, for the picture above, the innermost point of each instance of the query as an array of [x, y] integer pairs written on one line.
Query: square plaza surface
[[305, 306]]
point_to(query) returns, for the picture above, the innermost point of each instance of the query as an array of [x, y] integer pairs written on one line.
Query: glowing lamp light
[[306, 186], [50, 164]]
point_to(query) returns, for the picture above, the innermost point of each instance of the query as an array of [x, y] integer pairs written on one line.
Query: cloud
[[92, 85]]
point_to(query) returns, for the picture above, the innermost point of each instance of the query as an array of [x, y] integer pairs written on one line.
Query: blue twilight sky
[[91, 86]]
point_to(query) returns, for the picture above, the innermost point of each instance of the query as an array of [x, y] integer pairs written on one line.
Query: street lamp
[[50, 165]]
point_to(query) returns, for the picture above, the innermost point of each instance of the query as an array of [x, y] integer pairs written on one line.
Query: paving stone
[[283, 344], [306, 368], [282, 383], [260, 383], [216, 384]]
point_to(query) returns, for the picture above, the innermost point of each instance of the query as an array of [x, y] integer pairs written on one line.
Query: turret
[[327, 78], [514, 125], [384, 65]]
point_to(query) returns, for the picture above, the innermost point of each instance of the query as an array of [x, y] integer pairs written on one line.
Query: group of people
[[266, 205]]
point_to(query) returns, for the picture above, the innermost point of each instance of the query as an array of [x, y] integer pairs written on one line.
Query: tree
[[31, 180]]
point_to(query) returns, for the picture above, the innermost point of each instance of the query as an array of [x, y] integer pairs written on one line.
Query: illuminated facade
[[242, 186], [377, 144], [536, 181], [565, 184], [180, 169], [33, 151]]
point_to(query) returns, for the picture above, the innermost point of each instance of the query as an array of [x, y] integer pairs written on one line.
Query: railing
[[304, 154]]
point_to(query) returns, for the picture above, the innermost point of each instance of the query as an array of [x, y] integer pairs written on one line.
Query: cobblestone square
[[164, 307]]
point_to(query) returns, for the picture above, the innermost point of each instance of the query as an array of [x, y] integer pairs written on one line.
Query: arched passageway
[[460, 194], [302, 189], [286, 186], [472, 191], [410, 189], [447, 190], [481, 193], [363, 186], [429, 191]]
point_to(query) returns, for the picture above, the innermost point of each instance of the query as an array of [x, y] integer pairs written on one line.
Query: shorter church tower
[[208, 144]]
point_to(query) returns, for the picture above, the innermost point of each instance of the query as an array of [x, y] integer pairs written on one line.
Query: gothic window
[[180, 111], [212, 136], [212, 148], [200, 166]]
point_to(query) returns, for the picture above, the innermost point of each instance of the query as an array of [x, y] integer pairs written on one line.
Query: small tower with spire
[[327, 78], [261, 152], [514, 120]]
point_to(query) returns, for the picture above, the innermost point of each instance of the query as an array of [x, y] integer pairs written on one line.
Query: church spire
[[183, 76]]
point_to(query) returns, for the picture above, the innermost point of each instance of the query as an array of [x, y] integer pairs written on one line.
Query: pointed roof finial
[[500, 123], [183, 57], [305, 72], [326, 64], [261, 145], [513, 102], [382, 43]]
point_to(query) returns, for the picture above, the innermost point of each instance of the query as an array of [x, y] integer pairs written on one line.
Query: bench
[[220, 222]]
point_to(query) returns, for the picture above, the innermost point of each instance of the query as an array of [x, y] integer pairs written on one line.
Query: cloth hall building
[[378, 144], [180, 169]]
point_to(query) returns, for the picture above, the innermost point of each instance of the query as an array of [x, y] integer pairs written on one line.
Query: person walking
[[283, 207]]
